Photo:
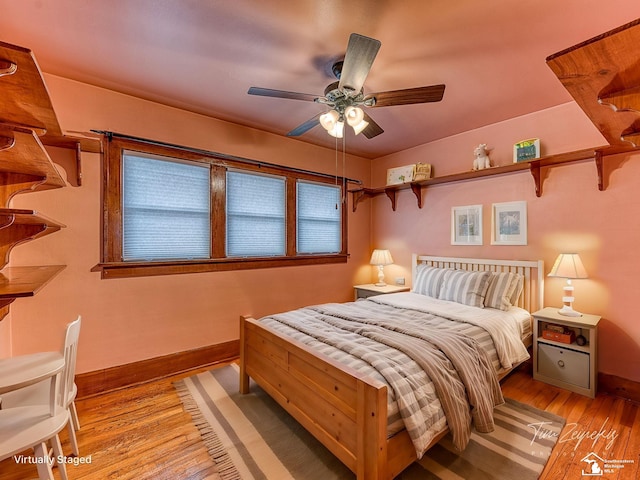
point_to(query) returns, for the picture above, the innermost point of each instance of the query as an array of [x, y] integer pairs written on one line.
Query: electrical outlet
[[399, 280]]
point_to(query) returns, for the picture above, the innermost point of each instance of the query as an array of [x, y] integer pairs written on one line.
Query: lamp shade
[[381, 257], [354, 115], [328, 120], [568, 265]]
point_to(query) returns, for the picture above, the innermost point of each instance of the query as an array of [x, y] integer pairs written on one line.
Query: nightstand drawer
[[366, 293], [564, 364]]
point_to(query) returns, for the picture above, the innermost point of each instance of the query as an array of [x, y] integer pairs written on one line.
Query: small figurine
[[482, 157]]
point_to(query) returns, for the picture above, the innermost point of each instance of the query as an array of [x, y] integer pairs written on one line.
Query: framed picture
[[509, 223], [466, 225]]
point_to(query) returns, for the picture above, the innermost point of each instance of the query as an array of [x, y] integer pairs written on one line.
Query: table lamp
[[381, 258], [569, 266]]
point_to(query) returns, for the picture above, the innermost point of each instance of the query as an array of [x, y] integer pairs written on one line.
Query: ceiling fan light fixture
[[354, 115]]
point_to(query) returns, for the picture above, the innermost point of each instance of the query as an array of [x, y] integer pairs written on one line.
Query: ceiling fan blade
[[373, 129], [305, 127], [361, 52], [268, 92], [408, 96]]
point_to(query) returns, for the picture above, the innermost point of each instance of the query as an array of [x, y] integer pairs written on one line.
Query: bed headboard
[[532, 271]]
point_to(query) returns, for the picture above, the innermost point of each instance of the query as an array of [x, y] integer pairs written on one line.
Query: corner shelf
[[20, 282], [25, 165], [26, 118], [603, 77], [17, 226], [533, 166], [26, 104]]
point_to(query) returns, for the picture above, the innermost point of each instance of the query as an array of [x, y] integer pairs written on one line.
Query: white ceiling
[[203, 55]]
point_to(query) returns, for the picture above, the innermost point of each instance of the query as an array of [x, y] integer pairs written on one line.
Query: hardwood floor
[[143, 432], [140, 432]]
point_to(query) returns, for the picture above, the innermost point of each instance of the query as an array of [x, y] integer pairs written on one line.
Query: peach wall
[[572, 215], [133, 319]]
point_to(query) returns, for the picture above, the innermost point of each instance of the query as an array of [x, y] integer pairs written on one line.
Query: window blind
[[319, 218], [255, 215], [166, 209]]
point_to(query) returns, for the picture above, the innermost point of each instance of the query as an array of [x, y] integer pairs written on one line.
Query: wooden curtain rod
[[222, 156]]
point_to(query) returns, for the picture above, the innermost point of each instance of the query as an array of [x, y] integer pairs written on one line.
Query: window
[[319, 218], [171, 209], [255, 215], [165, 208]]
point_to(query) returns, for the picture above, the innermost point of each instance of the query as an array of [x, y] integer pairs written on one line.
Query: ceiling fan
[[346, 97]]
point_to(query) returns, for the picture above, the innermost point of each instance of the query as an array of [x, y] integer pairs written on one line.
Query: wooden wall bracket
[[417, 191], [391, 193], [534, 168]]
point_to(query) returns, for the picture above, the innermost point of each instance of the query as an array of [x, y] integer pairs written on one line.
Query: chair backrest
[[70, 352]]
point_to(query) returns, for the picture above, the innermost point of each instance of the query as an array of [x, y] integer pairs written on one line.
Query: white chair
[[38, 394], [33, 424]]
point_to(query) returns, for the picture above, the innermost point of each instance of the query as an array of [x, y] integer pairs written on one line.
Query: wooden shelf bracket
[[357, 196], [391, 193], [534, 168], [417, 191]]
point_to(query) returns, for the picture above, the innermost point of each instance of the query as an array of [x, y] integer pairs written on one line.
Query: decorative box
[[408, 173], [568, 336], [526, 150], [399, 175], [422, 171]]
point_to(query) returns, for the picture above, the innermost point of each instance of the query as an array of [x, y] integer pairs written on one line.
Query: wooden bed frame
[[342, 408]]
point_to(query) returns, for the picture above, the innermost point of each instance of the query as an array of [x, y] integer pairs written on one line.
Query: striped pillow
[[468, 288], [429, 280], [519, 282], [501, 289]]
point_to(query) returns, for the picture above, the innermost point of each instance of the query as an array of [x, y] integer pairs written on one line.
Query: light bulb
[[354, 115]]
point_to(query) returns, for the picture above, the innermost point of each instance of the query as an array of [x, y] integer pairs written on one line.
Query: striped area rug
[[251, 437]]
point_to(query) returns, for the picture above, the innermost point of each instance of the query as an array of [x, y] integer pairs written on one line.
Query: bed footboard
[[342, 408]]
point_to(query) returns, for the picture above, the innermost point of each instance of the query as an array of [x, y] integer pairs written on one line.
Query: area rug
[[251, 437]]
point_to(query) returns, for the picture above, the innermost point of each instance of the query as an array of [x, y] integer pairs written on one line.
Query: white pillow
[[468, 288], [500, 292], [429, 280]]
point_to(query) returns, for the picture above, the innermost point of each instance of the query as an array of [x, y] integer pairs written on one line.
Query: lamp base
[[568, 311], [380, 276]]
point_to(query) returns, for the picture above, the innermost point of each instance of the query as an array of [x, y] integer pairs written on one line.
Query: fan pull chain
[[344, 166], [336, 177]]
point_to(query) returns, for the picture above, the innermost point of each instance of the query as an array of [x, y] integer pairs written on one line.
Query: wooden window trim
[[112, 265]]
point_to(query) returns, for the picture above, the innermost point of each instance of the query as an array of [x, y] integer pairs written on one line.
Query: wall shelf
[[21, 282], [25, 165], [17, 226], [603, 76], [26, 104], [26, 116], [533, 166]]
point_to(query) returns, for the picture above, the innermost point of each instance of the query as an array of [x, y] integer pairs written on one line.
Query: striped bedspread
[[440, 367]]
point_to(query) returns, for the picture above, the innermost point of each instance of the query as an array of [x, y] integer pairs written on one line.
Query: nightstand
[[371, 290], [558, 357]]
